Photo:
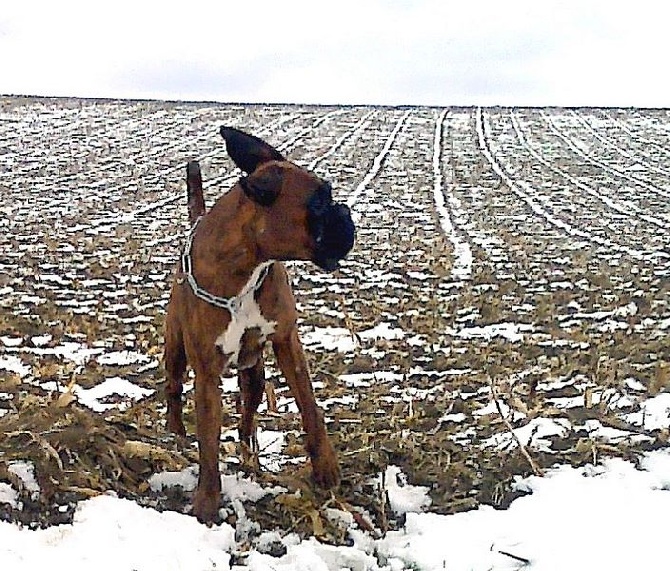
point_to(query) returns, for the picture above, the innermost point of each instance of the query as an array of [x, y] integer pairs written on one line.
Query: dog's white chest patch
[[245, 315]]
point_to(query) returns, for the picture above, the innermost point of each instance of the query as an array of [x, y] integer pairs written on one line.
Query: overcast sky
[[434, 52]]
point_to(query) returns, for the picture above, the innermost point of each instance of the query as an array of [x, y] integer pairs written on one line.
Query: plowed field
[[506, 306]]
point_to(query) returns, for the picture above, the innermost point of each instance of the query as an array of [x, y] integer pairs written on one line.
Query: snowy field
[[609, 517], [492, 357]]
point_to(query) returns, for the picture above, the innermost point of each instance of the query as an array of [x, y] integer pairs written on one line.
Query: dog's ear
[[263, 186], [248, 152]]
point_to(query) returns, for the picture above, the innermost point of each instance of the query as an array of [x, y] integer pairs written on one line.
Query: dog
[[231, 295]]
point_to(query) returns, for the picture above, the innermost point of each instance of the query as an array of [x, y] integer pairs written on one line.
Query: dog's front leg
[[208, 419], [291, 361]]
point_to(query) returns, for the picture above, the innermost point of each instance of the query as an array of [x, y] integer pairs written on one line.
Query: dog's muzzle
[[333, 231]]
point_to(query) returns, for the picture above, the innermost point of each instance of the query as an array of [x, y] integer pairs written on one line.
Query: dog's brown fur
[[231, 241]]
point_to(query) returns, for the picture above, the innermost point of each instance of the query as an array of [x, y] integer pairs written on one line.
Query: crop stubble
[[560, 326]]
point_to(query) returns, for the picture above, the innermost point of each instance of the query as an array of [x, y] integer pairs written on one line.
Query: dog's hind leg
[[291, 361], [196, 200], [252, 384], [175, 368]]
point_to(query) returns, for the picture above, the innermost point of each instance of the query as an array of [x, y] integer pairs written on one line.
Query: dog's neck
[[224, 248]]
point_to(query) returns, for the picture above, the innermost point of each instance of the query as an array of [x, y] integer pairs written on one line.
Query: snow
[[463, 258], [535, 433], [112, 533], [513, 332], [367, 379], [120, 358], [41, 340], [655, 413], [8, 495], [186, 479], [382, 331], [404, 498], [93, 397], [77, 353], [330, 339], [25, 471], [9, 341], [590, 518], [13, 364]]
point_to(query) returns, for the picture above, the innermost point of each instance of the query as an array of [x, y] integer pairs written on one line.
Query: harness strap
[[230, 304]]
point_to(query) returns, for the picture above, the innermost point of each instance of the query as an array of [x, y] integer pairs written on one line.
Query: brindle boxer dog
[[232, 294]]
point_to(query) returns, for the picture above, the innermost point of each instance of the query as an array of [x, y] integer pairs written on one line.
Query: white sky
[[436, 52]]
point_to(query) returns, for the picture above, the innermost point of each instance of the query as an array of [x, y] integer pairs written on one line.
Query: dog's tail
[[196, 200]]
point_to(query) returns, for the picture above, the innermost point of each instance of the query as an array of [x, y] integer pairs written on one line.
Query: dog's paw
[[206, 507], [326, 470], [249, 455], [175, 425]]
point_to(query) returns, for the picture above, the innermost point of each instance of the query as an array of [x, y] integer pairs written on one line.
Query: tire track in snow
[[285, 146], [228, 179], [376, 165], [361, 125], [604, 166], [534, 206], [627, 209], [115, 218], [635, 136], [462, 267], [223, 180]]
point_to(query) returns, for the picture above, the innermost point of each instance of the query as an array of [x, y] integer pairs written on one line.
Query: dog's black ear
[[248, 152], [263, 186]]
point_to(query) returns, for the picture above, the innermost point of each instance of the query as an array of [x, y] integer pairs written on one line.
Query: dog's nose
[[333, 234], [329, 264]]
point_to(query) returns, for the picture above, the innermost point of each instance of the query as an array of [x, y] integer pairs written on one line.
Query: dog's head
[[296, 216]]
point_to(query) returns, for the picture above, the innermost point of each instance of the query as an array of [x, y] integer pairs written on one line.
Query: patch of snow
[[403, 497], [513, 332], [534, 434], [235, 487], [8, 495], [10, 341], [599, 507], [118, 534], [25, 471], [122, 358], [187, 479], [330, 339], [455, 417], [13, 364], [41, 340], [344, 400], [78, 353], [634, 385], [655, 413], [598, 431], [367, 379], [491, 408], [112, 386], [382, 331]]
